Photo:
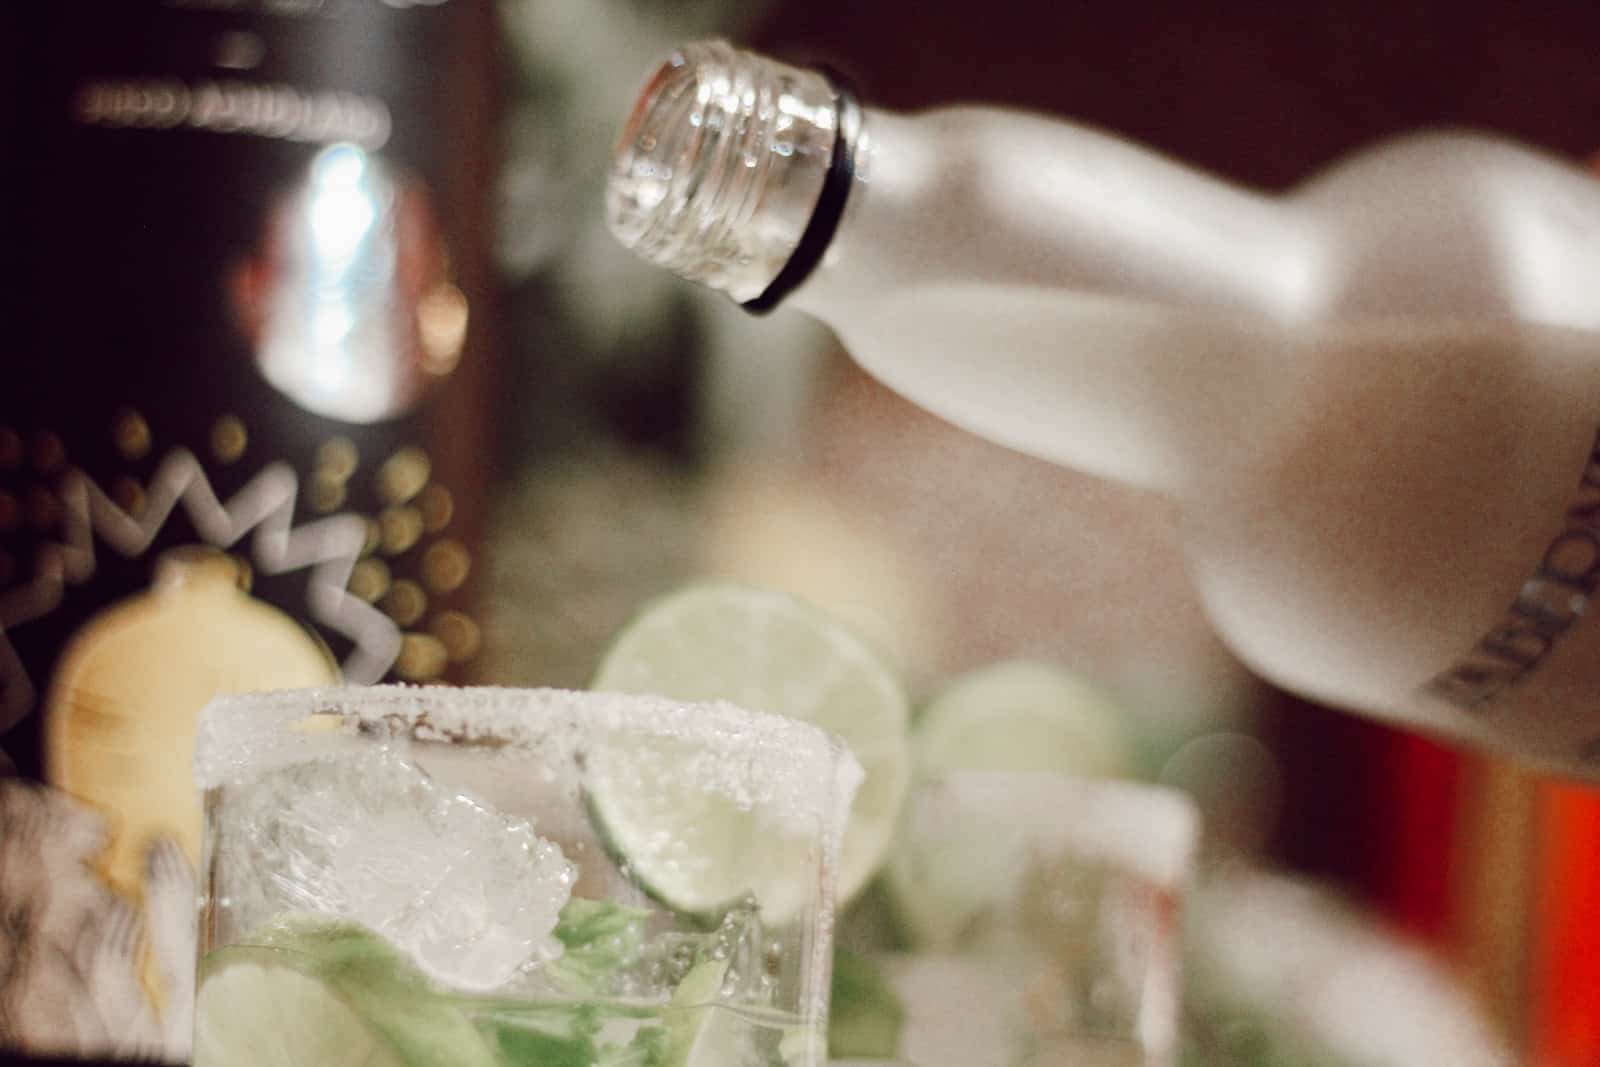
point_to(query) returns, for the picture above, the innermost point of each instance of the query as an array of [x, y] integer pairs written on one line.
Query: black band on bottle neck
[[831, 200]]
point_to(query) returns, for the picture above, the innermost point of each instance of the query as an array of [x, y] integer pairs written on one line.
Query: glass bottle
[[1374, 397]]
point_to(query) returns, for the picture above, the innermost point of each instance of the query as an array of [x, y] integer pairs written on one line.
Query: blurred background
[[651, 433], [611, 432]]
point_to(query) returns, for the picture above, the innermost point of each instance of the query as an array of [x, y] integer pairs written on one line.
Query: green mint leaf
[[545, 1039], [602, 939], [647, 1049]]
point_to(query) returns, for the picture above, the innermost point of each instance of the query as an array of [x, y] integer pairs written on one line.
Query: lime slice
[[1022, 716], [682, 817], [766, 651], [328, 993], [944, 879], [698, 1035]]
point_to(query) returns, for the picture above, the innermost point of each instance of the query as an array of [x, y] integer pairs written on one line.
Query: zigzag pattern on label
[[331, 547]]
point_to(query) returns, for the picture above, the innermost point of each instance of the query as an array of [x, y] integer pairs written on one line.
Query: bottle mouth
[[718, 170]]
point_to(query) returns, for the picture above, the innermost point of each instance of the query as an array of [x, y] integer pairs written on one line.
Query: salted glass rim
[[775, 758]]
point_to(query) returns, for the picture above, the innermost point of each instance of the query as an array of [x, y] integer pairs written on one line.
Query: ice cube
[[472, 894]]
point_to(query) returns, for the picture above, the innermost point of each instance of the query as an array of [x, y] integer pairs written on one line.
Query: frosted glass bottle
[[1374, 397]]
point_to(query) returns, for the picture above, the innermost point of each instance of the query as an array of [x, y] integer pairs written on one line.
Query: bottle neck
[[748, 175], [733, 171]]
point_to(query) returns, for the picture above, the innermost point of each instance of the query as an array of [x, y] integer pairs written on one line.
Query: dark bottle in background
[[243, 443]]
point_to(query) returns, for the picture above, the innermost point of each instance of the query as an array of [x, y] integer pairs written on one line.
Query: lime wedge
[[698, 1035], [328, 993], [771, 652], [700, 832], [258, 1013], [1020, 715], [1014, 716]]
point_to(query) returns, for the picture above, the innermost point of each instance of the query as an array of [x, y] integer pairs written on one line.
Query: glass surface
[[509, 877], [1050, 911]]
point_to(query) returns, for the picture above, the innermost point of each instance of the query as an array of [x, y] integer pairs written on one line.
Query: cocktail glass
[[1047, 910], [431, 877]]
